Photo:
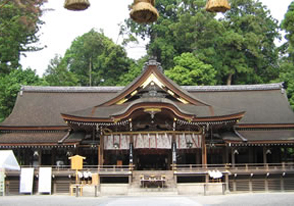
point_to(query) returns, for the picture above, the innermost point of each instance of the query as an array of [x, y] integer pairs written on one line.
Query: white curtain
[[193, 139], [154, 140], [121, 140]]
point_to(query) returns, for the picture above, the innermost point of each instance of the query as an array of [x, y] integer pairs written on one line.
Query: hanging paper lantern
[[217, 5], [76, 5], [143, 11]]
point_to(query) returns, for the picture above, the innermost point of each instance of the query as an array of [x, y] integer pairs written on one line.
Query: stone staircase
[[169, 188]]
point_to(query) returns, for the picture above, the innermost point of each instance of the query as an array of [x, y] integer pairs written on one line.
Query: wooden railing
[[179, 168], [66, 169], [252, 167]]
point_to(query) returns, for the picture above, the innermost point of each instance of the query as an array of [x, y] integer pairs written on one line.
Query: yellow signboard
[[77, 162]]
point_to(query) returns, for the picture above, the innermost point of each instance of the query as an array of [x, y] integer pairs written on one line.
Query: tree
[[10, 86], [19, 24], [164, 44], [134, 71], [288, 26], [287, 76], [247, 48], [189, 70], [96, 60], [239, 45], [57, 73], [287, 51]]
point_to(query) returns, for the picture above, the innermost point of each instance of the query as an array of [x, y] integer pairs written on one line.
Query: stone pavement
[[269, 199]]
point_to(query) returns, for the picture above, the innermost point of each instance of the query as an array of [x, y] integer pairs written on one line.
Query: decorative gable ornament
[[143, 11], [217, 5], [76, 5]]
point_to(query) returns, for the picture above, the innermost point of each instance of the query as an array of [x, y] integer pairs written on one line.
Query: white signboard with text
[[26, 180], [45, 178]]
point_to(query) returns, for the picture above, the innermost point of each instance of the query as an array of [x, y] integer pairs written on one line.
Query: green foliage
[[134, 71], [287, 50], [248, 49], [239, 45], [189, 70], [10, 86], [96, 60], [287, 76], [288, 26], [19, 23], [57, 74]]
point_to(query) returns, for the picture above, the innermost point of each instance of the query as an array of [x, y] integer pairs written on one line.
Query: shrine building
[[238, 137]]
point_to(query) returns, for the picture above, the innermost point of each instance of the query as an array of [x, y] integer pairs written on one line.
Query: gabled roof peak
[[152, 62]]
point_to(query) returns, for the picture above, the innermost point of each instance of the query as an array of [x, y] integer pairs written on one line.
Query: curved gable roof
[[152, 71]]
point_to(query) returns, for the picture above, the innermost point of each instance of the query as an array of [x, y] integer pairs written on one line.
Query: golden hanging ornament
[[143, 11], [76, 5], [217, 5]]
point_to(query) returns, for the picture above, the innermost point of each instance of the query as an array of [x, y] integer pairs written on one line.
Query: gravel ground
[[231, 199]]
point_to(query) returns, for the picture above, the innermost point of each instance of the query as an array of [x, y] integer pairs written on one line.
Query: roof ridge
[[249, 87], [77, 89]]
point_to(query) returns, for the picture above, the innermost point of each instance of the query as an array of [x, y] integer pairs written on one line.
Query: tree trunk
[[90, 72], [229, 79]]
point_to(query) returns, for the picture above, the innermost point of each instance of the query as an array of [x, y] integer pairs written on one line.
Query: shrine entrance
[[146, 159]]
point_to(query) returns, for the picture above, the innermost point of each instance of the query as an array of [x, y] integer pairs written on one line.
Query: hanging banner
[[131, 153], [116, 141], [26, 180], [174, 153], [45, 178], [188, 141], [152, 141]]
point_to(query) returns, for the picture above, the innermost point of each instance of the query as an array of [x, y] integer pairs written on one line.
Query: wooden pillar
[[266, 183], [282, 183], [204, 152], [40, 157], [99, 155], [234, 185], [207, 178], [251, 156], [101, 148], [233, 156], [198, 157], [226, 154], [53, 156], [227, 182], [250, 184], [264, 155]]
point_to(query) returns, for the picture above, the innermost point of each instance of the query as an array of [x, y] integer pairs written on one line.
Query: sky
[[62, 27]]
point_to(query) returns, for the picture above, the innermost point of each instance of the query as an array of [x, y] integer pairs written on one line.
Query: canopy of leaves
[[19, 24], [96, 60], [239, 45], [288, 26], [189, 70], [10, 86], [57, 74], [134, 71], [287, 50]]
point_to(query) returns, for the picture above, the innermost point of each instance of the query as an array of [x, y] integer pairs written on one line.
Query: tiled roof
[[42, 106], [42, 138], [259, 136]]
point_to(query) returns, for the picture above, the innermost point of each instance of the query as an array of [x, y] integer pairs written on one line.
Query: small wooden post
[[77, 164]]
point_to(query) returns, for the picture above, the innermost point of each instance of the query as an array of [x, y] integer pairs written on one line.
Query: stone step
[[152, 191], [169, 176]]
